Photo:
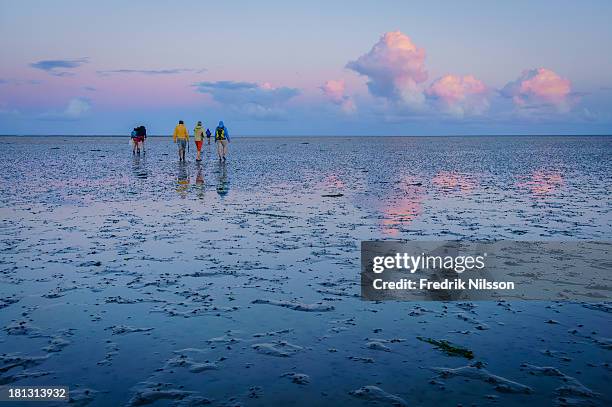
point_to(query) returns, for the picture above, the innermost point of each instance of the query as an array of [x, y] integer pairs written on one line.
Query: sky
[[306, 68]]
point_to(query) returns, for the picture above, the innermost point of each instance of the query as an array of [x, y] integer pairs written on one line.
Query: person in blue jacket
[[221, 139]]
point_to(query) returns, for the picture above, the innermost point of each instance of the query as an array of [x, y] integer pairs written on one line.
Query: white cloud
[[75, 109], [459, 95], [395, 68]]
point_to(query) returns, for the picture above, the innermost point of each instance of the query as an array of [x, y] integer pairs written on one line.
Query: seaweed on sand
[[448, 348]]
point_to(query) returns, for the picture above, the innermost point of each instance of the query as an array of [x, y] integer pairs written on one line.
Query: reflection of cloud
[[332, 183], [395, 67], [400, 214], [172, 71], [540, 87], [450, 180], [76, 108], [335, 91], [57, 67], [259, 101], [543, 182], [403, 206], [459, 95]]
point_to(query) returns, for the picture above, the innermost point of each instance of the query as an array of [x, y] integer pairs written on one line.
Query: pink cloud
[[335, 91], [395, 67], [459, 95], [541, 86]]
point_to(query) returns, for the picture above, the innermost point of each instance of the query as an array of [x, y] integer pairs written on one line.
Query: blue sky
[[309, 68]]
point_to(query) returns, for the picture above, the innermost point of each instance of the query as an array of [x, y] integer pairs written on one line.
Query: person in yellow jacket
[[181, 136]]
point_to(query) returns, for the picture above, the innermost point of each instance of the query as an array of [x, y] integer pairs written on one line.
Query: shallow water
[[149, 281]]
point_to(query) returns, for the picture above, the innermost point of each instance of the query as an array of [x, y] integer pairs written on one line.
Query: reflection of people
[[222, 182], [181, 137], [139, 169], [221, 138], [198, 137], [182, 180], [200, 181]]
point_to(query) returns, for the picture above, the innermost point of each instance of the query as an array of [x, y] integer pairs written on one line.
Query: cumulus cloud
[[459, 95], [335, 92], [58, 67], [540, 87], [395, 71], [75, 109], [260, 101], [395, 67], [172, 71]]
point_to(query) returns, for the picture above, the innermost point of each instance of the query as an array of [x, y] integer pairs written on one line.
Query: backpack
[[220, 133]]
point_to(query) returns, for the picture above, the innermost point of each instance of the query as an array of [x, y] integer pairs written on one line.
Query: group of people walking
[[181, 137]]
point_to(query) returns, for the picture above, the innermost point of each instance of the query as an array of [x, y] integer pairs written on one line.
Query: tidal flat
[[138, 280]]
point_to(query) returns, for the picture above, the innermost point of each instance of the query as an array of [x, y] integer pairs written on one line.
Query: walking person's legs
[[199, 150], [224, 143], [220, 149]]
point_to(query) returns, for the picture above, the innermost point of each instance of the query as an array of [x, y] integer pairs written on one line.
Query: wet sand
[[142, 281]]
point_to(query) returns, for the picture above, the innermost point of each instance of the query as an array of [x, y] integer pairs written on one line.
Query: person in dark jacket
[[143, 136]]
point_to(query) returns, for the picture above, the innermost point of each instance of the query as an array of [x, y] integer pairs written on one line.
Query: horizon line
[[328, 135]]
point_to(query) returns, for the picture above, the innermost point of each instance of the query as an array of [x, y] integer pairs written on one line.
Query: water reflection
[[452, 181], [333, 183], [182, 180], [542, 182], [222, 180], [139, 168], [199, 181], [403, 205]]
